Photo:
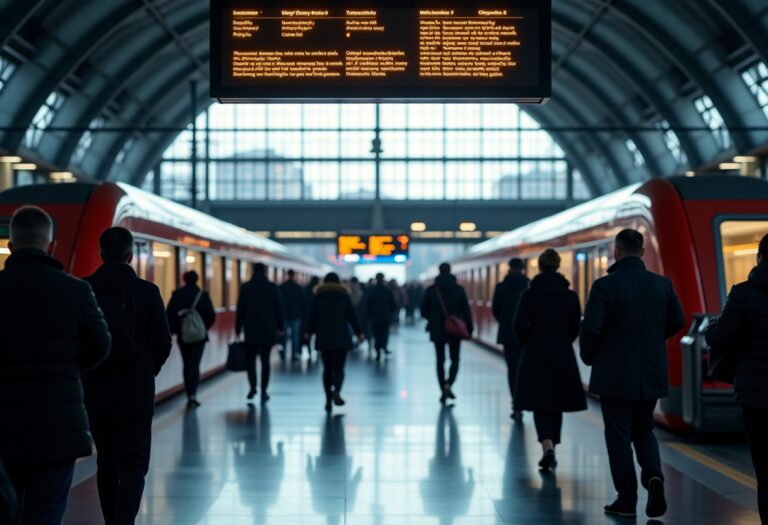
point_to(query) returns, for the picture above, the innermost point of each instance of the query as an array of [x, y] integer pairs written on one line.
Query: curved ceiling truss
[[620, 67]]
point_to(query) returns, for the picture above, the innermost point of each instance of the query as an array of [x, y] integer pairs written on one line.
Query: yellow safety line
[[707, 461]]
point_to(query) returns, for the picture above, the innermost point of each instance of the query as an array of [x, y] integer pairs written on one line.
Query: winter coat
[[381, 304], [505, 299], [260, 312], [51, 329], [742, 330], [630, 314], [456, 303], [546, 324], [294, 300], [330, 317], [182, 299], [130, 387]]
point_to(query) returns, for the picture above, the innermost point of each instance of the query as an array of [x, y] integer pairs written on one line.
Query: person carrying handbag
[[449, 321], [739, 342]]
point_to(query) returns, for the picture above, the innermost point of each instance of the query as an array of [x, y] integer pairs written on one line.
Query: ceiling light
[[690, 173], [11, 159], [467, 226], [418, 227], [744, 159], [729, 166], [26, 166]]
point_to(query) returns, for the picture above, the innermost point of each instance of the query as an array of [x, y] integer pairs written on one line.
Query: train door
[[140, 260]]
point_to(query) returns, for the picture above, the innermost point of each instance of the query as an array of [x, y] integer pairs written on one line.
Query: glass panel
[[192, 260], [739, 243], [164, 269], [233, 281], [358, 180], [246, 271], [215, 280]]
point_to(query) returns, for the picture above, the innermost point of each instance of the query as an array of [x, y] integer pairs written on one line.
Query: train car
[[170, 240], [701, 232]]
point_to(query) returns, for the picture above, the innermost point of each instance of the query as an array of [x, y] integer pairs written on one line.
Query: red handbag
[[454, 326]]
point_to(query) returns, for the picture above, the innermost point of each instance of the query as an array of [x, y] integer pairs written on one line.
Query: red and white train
[[170, 239], [701, 232]]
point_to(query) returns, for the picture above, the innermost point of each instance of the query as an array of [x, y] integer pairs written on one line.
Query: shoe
[[449, 392], [548, 460], [443, 397], [328, 406], [517, 416], [387, 351], [337, 400], [657, 502], [618, 508], [264, 397], [251, 393], [192, 402]]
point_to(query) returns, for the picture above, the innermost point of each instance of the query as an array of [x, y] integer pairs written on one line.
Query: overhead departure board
[[377, 247], [398, 50]]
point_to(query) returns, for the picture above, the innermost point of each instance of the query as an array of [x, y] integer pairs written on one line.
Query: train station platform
[[393, 455]]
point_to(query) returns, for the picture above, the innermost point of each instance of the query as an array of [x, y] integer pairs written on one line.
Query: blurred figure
[[630, 314], [397, 293], [120, 392], [309, 294], [184, 301], [356, 296], [505, 300], [742, 332], [52, 330], [260, 315], [445, 295], [330, 317], [295, 304], [414, 293], [548, 382], [381, 305]]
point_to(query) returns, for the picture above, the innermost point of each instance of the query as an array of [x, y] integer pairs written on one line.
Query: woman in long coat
[[548, 380]]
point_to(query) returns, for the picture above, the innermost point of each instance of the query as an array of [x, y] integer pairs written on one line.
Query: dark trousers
[[454, 347], [333, 370], [380, 335], [123, 445], [42, 490], [191, 354], [263, 352], [629, 423], [548, 425], [512, 354], [292, 327], [756, 424]]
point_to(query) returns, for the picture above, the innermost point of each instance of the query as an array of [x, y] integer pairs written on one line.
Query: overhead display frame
[[372, 247], [265, 50]]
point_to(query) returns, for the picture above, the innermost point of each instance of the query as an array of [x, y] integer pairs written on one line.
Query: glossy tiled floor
[[393, 455]]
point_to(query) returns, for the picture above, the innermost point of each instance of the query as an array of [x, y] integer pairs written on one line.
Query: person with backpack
[[190, 316], [52, 330], [120, 392]]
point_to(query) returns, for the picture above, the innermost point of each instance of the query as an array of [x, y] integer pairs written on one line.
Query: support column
[[377, 150], [569, 184], [193, 95]]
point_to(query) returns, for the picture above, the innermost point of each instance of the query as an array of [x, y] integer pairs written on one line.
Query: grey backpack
[[192, 326]]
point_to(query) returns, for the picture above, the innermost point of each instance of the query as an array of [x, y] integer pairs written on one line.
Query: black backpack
[[119, 307]]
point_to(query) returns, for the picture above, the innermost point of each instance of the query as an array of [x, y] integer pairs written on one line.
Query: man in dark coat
[[309, 294], [260, 315], [51, 329], [120, 392], [505, 299], [295, 304], [191, 352], [330, 318], [446, 294], [381, 306], [740, 334], [630, 314]]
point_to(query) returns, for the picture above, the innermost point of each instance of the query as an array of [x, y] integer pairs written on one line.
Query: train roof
[[607, 208], [145, 205]]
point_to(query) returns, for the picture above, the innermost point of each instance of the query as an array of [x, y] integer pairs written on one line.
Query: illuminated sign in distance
[[366, 248]]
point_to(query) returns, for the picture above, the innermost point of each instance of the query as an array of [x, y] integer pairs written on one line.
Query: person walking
[[381, 305], [184, 301], [309, 294], [548, 383], [260, 315], [446, 296], [295, 304], [630, 314], [120, 392], [52, 330], [330, 317], [741, 332], [505, 298]]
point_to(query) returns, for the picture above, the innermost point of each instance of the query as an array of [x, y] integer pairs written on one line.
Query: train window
[[233, 281], [215, 267], [503, 270], [566, 267], [532, 267], [600, 263], [246, 271], [164, 269], [739, 241], [491, 281], [582, 277], [4, 252], [192, 260], [140, 259]]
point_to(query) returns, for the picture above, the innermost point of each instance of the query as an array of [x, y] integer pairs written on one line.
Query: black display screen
[[442, 51]]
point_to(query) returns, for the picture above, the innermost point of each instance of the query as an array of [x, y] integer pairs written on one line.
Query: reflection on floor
[[392, 455]]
